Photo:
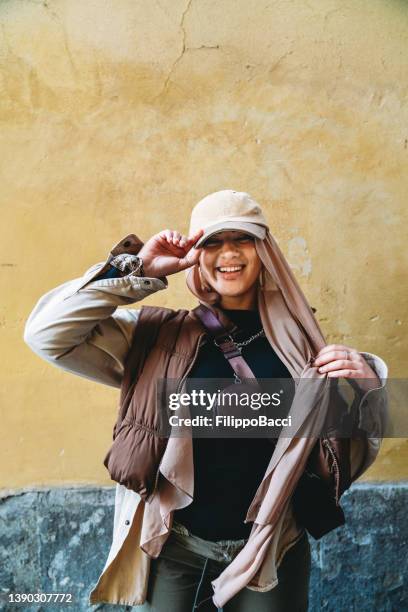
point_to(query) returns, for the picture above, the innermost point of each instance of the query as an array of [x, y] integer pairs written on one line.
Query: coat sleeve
[[78, 327], [373, 414]]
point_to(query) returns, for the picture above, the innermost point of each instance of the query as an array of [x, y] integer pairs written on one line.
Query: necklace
[[261, 332], [237, 379], [251, 338], [246, 342]]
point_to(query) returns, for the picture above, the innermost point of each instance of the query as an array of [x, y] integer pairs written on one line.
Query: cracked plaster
[[120, 120]]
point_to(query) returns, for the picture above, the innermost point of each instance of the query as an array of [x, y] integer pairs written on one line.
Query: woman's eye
[[245, 239], [215, 242]]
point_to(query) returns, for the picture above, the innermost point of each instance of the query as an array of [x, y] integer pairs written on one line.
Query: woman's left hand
[[340, 361]]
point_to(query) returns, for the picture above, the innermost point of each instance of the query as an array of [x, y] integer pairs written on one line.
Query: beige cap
[[227, 210]]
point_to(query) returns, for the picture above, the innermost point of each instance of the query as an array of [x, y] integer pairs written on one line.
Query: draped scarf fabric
[[295, 335]]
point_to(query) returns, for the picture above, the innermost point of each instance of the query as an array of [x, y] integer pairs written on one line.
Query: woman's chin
[[230, 288]]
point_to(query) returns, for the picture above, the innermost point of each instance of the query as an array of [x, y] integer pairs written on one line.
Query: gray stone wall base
[[57, 541]]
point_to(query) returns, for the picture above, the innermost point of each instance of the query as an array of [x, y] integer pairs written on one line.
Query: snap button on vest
[[127, 522]]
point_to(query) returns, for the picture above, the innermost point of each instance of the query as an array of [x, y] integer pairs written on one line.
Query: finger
[[190, 259], [166, 235], [333, 351], [183, 241], [176, 237], [323, 358], [194, 256], [346, 373], [186, 242], [166, 238], [171, 237], [337, 365], [339, 358], [332, 347], [190, 247], [194, 237]]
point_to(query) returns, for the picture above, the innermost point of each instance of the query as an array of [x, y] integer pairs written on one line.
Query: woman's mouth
[[230, 272]]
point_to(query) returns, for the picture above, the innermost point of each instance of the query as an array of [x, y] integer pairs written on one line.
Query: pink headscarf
[[295, 335], [287, 318]]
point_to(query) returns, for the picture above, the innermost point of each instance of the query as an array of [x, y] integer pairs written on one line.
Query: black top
[[228, 471]]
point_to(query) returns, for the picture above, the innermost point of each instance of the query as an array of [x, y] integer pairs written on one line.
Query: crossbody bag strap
[[224, 341]]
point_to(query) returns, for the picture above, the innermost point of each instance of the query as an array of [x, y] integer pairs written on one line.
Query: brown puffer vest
[[165, 345]]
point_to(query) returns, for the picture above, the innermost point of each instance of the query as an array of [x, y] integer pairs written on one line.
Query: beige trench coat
[[95, 347]]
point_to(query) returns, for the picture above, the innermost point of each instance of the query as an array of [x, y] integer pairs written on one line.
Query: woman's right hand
[[169, 252]]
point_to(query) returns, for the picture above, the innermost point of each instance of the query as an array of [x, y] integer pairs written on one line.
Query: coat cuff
[[129, 244], [373, 407]]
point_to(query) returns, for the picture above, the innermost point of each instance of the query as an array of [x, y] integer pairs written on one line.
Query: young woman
[[203, 545]]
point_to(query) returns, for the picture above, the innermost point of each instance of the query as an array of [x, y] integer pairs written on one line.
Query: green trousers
[[180, 578]]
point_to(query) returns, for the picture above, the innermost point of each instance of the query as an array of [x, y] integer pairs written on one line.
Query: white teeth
[[230, 268]]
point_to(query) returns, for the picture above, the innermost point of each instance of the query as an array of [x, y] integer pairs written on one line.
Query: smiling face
[[230, 264]]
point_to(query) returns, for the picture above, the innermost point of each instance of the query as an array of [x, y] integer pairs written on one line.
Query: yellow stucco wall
[[118, 117]]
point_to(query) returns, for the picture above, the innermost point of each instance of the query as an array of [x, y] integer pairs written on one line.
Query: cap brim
[[258, 231]]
